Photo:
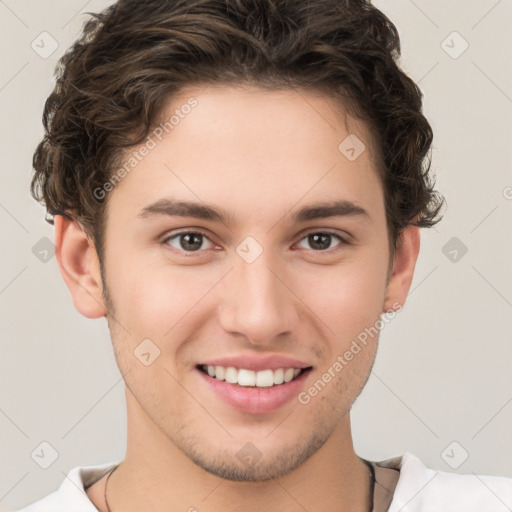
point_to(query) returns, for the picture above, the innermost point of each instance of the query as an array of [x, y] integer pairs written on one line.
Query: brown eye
[[322, 240], [188, 241]]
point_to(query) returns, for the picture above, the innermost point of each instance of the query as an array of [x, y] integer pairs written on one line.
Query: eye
[[188, 241], [321, 240], [193, 241]]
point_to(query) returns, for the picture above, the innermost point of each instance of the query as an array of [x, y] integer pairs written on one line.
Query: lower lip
[[254, 400]]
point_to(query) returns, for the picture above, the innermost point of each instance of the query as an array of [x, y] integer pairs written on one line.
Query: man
[[238, 187]]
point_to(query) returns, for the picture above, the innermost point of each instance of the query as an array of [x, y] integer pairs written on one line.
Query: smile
[[249, 378]]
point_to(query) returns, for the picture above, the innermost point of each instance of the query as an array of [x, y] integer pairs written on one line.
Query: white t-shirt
[[418, 489]]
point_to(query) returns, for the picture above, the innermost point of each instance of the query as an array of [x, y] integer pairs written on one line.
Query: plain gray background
[[441, 387]]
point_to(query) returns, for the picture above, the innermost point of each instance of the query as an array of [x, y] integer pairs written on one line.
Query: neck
[[156, 475]]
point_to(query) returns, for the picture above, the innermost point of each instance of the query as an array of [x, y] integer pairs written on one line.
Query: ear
[[402, 271], [79, 266]]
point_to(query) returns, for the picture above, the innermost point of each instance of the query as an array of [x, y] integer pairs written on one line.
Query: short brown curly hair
[[113, 82]]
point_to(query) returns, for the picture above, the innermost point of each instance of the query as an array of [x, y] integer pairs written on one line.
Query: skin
[[270, 153]]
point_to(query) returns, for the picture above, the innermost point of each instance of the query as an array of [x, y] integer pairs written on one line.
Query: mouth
[[254, 383], [263, 379]]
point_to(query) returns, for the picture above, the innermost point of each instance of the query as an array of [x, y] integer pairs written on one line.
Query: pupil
[[324, 237], [188, 236]]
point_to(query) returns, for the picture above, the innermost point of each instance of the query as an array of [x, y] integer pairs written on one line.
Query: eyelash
[[199, 232]]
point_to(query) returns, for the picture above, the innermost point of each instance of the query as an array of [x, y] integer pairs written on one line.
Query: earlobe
[[79, 266], [403, 266]]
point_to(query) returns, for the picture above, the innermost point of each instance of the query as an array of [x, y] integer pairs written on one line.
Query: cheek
[[350, 296], [151, 297]]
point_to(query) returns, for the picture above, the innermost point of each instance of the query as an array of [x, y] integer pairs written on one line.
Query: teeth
[[279, 376], [243, 377], [219, 372], [288, 374], [246, 377], [264, 378], [231, 375]]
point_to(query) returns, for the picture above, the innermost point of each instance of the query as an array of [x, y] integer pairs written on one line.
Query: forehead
[[249, 114], [252, 149]]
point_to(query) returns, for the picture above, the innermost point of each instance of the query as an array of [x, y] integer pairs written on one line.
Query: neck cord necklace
[[369, 464], [106, 482], [372, 484]]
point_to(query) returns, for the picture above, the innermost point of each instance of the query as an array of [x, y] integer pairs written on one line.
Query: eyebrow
[[168, 207]]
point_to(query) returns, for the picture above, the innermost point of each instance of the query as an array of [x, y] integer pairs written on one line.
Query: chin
[[250, 464]]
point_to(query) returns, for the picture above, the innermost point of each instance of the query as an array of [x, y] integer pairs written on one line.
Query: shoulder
[[421, 489], [71, 495]]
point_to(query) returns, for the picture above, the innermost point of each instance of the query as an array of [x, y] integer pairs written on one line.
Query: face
[[259, 282]]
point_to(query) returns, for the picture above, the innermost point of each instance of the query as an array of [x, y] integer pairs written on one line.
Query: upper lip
[[251, 362]]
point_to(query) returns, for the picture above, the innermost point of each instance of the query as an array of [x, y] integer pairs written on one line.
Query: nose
[[258, 301]]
